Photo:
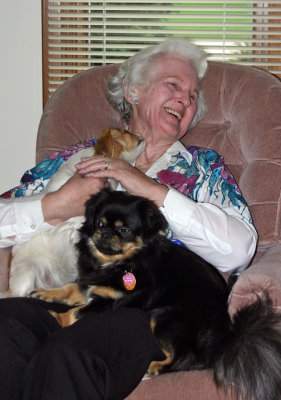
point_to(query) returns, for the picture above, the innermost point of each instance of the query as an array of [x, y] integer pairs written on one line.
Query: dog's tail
[[249, 360]]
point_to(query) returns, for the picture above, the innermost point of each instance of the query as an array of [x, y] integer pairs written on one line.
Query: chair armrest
[[191, 385], [4, 268], [263, 276]]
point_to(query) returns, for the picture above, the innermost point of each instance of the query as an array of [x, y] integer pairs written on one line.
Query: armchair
[[244, 125]]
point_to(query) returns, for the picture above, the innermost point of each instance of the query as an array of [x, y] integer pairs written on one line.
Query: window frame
[[79, 66]]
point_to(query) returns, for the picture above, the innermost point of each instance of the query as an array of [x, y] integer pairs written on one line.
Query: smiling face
[[168, 103]]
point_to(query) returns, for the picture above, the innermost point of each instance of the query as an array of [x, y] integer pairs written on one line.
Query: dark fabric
[[102, 356]]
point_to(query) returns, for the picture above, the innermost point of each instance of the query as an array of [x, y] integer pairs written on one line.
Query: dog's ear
[[104, 143], [153, 220], [92, 204], [111, 142]]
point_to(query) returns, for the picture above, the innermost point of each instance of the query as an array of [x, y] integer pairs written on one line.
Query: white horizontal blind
[[81, 34]]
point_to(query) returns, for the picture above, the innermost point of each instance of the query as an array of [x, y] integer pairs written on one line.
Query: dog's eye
[[99, 223], [124, 231]]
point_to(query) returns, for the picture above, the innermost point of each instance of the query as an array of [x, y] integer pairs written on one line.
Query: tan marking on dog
[[152, 324], [97, 236], [103, 220], [66, 318], [155, 367], [68, 294], [115, 242], [69, 317], [105, 292], [128, 250], [118, 223]]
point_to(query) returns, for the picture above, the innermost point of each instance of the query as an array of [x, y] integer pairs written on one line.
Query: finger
[[102, 173], [85, 161], [92, 166]]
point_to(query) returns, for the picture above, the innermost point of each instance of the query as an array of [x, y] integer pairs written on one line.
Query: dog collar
[[129, 281]]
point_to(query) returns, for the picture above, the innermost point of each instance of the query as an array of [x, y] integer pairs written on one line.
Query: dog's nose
[[106, 236]]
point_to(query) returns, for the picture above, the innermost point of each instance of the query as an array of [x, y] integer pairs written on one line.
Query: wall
[[20, 87]]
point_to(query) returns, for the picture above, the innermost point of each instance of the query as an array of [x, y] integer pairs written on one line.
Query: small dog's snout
[[106, 236]]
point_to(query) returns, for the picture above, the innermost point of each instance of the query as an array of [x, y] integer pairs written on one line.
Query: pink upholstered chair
[[244, 125]]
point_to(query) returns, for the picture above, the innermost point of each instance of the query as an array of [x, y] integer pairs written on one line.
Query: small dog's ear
[[92, 204], [153, 220], [104, 143]]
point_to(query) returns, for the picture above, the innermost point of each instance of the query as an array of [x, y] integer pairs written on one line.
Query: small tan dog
[[115, 143], [49, 258]]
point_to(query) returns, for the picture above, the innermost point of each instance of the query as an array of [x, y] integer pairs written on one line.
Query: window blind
[[78, 35]]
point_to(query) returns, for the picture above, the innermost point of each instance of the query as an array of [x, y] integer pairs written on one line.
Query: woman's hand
[[69, 200], [134, 181]]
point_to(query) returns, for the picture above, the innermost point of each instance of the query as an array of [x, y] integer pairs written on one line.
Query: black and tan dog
[[124, 260], [48, 259]]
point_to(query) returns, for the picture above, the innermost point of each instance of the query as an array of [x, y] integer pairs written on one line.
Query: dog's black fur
[[184, 296]]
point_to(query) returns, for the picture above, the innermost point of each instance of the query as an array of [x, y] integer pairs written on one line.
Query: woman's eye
[[172, 85], [193, 98]]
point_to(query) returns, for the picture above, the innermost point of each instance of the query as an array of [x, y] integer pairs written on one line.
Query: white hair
[[136, 70]]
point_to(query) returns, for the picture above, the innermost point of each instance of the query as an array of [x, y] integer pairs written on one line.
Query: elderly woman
[[157, 93]]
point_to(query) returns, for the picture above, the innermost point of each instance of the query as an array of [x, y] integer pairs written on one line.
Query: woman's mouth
[[174, 112]]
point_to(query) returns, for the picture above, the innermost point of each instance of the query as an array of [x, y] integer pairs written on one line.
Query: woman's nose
[[184, 99]]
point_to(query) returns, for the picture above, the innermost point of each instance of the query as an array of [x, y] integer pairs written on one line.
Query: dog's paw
[[48, 295], [67, 294], [154, 369]]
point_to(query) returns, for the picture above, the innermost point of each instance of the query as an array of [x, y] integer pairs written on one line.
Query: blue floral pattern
[[35, 179], [188, 172], [206, 167]]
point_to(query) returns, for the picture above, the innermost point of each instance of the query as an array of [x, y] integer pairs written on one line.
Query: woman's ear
[[128, 98], [131, 98]]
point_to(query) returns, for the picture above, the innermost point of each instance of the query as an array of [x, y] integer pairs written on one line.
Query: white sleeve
[[20, 219], [218, 235]]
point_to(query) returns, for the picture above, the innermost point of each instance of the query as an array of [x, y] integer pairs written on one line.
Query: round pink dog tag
[[129, 281]]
